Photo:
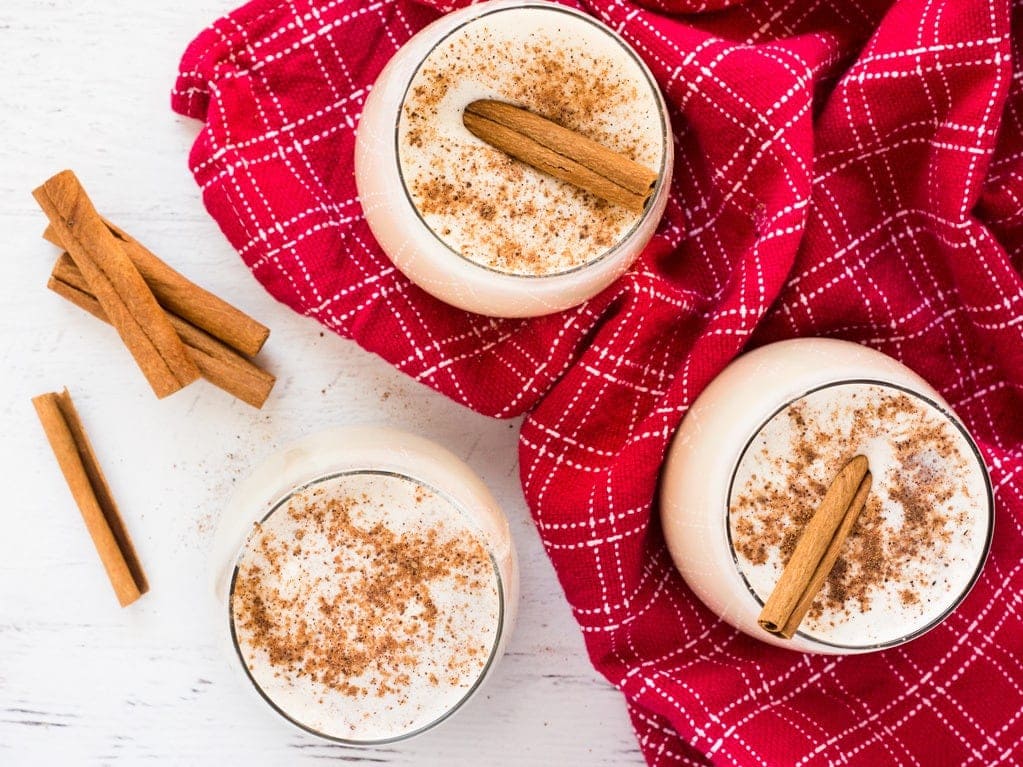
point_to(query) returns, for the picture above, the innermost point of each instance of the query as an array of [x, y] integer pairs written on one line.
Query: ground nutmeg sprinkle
[[916, 527], [492, 209], [362, 588]]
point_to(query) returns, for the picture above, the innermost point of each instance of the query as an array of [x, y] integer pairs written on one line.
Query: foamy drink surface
[[365, 607], [920, 538], [496, 211]]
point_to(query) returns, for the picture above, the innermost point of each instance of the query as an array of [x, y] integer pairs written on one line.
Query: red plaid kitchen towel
[[844, 168]]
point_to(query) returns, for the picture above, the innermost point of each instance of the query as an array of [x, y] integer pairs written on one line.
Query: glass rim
[[666, 141], [469, 693], [989, 493]]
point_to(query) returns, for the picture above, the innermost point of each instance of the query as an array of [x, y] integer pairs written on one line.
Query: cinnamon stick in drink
[[817, 549], [219, 364], [92, 495], [560, 152], [179, 295], [828, 560], [117, 285]]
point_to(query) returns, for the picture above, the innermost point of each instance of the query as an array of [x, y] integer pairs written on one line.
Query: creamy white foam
[[498, 212], [365, 607], [919, 540]]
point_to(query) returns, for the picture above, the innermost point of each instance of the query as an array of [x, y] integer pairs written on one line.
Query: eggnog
[[496, 211], [466, 221], [751, 463], [365, 607], [918, 541], [367, 582]]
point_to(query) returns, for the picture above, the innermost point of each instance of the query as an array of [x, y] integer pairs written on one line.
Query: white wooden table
[[84, 84]]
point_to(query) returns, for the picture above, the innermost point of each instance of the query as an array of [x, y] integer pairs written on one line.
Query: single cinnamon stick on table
[[219, 364], [179, 295], [92, 495], [117, 285], [560, 152], [817, 549]]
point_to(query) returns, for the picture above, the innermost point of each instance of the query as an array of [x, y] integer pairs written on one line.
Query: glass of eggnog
[[754, 457], [473, 225], [366, 584]]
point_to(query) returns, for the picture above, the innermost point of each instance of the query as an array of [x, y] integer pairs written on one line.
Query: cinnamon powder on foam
[[367, 638], [771, 519], [501, 222]]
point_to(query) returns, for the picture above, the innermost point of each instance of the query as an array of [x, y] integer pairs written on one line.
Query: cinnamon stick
[[219, 364], [92, 494], [828, 560], [179, 295], [560, 152], [817, 549], [117, 285]]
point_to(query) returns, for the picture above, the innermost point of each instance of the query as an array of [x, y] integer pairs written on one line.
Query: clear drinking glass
[[719, 431], [363, 453], [420, 252]]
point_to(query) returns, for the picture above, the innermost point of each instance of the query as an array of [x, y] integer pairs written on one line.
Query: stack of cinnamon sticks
[[175, 330]]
